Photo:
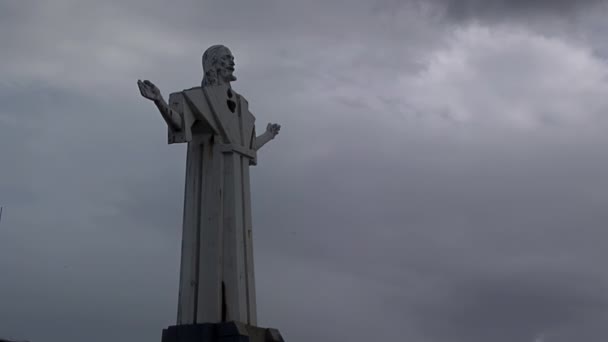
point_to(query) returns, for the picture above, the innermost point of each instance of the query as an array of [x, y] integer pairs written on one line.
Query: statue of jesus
[[217, 281]]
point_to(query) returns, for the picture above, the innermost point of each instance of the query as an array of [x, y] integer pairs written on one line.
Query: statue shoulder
[[192, 96], [245, 111], [177, 101], [193, 88], [240, 96], [244, 102]]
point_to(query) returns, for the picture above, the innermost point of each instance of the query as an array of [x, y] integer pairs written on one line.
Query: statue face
[[225, 66]]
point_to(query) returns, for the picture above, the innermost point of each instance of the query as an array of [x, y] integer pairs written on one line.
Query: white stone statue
[[217, 281]]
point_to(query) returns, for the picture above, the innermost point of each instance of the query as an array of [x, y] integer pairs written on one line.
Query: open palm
[[149, 90], [273, 129]]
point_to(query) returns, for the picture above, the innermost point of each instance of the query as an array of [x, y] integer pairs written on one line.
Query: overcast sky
[[441, 174]]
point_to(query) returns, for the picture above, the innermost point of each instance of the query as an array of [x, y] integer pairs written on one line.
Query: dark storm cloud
[[497, 10], [464, 9]]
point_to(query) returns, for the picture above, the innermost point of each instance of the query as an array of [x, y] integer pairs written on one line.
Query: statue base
[[220, 332]]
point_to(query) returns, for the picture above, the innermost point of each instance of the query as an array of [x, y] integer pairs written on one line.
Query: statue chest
[[216, 110]]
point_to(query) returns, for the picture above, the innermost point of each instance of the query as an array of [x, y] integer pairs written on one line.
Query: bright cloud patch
[[510, 76]]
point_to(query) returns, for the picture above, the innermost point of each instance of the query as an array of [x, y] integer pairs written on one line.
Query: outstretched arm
[[271, 131], [151, 92]]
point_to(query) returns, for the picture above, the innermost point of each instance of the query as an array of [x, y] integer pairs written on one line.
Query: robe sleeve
[[179, 107]]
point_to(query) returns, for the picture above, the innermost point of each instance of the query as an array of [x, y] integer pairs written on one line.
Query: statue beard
[[227, 75]]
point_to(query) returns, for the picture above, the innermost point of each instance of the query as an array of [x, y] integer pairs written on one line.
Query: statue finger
[[142, 90]]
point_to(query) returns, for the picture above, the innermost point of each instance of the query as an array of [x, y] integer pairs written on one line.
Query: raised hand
[[149, 90], [273, 129]]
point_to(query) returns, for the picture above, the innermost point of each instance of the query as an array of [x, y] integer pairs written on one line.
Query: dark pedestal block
[[220, 332]]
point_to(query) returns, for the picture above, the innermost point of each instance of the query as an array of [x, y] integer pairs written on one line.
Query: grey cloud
[[463, 9], [514, 307], [495, 10]]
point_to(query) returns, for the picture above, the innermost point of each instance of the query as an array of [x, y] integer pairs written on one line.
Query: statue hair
[[210, 59]]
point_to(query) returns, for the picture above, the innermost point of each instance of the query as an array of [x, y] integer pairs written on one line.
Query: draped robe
[[216, 273]]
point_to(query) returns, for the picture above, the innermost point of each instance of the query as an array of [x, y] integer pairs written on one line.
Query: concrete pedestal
[[220, 332]]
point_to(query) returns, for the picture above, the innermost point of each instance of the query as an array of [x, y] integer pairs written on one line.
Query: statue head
[[218, 66]]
